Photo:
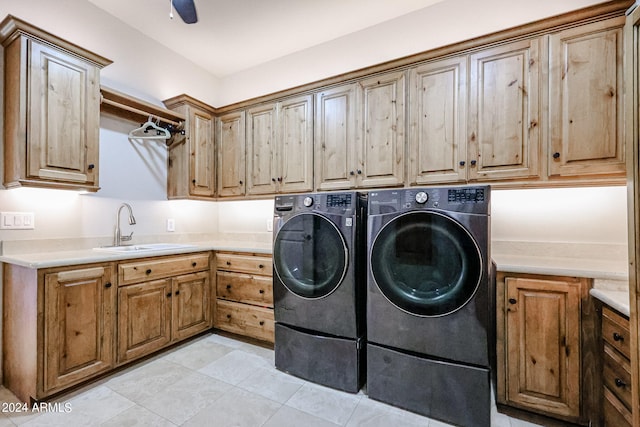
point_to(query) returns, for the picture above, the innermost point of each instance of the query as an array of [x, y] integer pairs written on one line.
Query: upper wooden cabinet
[[360, 134], [52, 109], [504, 131], [585, 100], [280, 146], [437, 121], [191, 159], [230, 138]]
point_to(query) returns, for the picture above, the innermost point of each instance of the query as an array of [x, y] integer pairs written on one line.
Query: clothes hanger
[[143, 132]]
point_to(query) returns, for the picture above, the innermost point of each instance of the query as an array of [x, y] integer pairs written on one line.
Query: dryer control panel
[[469, 199]]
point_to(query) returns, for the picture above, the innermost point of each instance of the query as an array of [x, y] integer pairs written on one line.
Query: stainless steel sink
[[149, 247]]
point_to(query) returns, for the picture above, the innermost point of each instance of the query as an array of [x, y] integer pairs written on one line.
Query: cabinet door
[[231, 154], [64, 108], [191, 312], [79, 325], [437, 140], [144, 318], [202, 153], [295, 144], [585, 105], [504, 136], [543, 345], [261, 144], [336, 138], [382, 136]]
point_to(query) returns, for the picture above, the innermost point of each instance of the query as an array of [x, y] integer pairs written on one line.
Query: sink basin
[[149, 247]]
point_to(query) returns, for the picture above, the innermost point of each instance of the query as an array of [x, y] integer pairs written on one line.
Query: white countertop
[[58, 258], [618, 300]]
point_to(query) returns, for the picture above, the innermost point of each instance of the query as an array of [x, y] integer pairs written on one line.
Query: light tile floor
[[216, 381]]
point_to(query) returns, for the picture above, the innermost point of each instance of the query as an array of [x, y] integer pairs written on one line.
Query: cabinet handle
[[107, 285], [512, 301], [352, 173], [148, 271], [617, 337], [620, 383], [91, 166], [193, 181], [193, 264], [177, 292], [261, 291], [228, 316], [261, 322], [556, 155], [169, 295], [359, 172], [228, 286], [473, 162], [240, 182], [273, 179], [260, 266], [279, 179], [462, 162], [228, 262]]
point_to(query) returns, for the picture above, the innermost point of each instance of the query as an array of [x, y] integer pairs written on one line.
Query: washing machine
[[430, 302], [319, 287]]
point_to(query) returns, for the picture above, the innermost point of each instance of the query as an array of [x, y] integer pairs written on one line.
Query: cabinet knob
[[556, 155], [261, 322], [240, 182], [193, 181], [462, 162], [228, 286], [620, 383], [148, 271], [617, 337], [279, 179], [512, 301], [261, 291], [91, 166], [107, 285], [228, 262], [169, 295], [359, 172], [273, 179], [177, 292], [193, 264], [473, 162], [260, 266], [352, 173], [228, 316]]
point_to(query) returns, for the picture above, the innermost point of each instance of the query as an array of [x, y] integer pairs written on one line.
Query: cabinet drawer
[[245, 263], [246, 288], [157, 268], [615, 331], [617, 374], [244, 319], [615, 413]]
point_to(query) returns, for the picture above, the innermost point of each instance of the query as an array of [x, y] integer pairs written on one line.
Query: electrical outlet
[[17, 221], [171, 224], [269, 224]]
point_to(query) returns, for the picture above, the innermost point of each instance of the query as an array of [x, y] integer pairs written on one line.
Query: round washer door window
[[310, 255], [426, 263]]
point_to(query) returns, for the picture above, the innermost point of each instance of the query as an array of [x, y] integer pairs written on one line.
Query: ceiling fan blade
[[187, 10]]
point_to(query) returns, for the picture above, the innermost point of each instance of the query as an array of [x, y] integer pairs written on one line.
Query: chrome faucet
[[118, 238]]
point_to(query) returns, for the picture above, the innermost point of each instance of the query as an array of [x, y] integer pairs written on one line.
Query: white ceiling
[[234, 35]]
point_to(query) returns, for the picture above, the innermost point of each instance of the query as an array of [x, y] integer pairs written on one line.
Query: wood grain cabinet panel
[[261, 150], [191, 168], [437, 117], [52, 110], [586, 99], [504, 131], [244, 303], [547, 346], [59, 326], [230, 131], [162, 300]]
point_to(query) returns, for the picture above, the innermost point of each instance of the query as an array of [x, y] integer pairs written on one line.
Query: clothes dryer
[[430, 302], [319, 286]]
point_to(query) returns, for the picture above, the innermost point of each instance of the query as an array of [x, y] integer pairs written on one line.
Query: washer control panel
[[340, 200], [466, 195]]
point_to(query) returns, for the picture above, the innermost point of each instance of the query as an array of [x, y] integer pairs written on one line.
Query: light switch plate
[[17, 221]]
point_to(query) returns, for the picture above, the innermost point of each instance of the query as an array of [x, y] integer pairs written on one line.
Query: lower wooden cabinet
[[58, 326], [244, 291], [155, 313], [546, 349], [616, 371], [63, 326]]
